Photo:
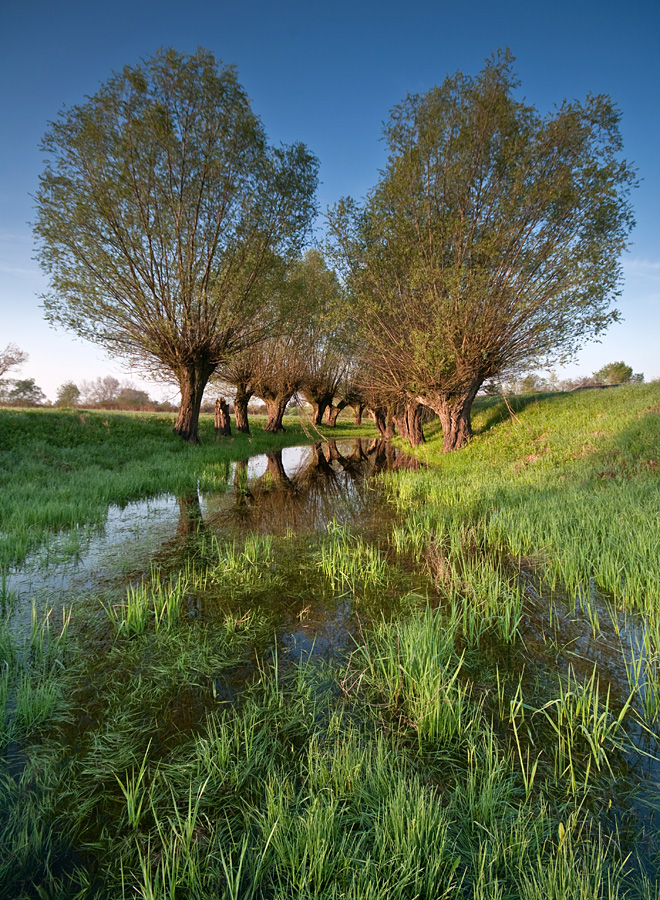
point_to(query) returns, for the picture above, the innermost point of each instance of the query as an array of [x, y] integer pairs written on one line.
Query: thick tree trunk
[[318, 411], [358, 409], [384, 421], [275, 408], [241, 401], [192, 381], [409, 423], [454, 413], [332, 412]]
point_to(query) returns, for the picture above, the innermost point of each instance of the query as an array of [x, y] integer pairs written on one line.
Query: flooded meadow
[[338, 670]]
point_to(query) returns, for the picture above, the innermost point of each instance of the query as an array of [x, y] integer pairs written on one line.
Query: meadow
[[487, 730]]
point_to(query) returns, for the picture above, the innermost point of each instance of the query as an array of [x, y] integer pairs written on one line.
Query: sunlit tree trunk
[[320, 403], [332, 413], [384, 421], [222, 418], [243, 396], [275, 407], [358, 409], [318, 411], [454, 412], [192, 382], [409, 422]]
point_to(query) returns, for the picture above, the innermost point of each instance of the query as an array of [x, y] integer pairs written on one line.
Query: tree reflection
[[328, 485]]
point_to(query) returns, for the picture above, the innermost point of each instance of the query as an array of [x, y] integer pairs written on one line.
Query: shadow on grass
[[495, 409]]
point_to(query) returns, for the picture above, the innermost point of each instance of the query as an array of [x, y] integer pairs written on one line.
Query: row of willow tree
[[173, 234], [313, 350]]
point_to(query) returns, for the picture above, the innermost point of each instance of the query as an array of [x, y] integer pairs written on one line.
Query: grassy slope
[[573, 480]]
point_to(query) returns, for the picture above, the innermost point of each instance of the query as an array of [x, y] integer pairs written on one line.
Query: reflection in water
[[190, 515], [297, 488], [321, 631], [305, 488]]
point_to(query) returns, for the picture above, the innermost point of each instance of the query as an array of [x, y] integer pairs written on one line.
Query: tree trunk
[[275, 407], [454, 413], [318, 411], [241, 401], [409, 423], [384, 421], [332, 412], [358, 409], [192, 381], [222, 418]]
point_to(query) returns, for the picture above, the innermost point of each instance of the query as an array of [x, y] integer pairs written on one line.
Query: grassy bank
[[489, 733]]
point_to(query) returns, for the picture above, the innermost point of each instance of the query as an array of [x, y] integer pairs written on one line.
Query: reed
[[350, 564]]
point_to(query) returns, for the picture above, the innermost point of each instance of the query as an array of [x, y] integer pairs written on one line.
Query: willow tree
[[326, 336], [491, 241], [159, 214]]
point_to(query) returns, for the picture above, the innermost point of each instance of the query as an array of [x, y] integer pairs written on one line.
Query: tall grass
[[350, 564]]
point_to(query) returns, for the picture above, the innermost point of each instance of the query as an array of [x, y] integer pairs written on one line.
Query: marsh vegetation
[[340, 671]]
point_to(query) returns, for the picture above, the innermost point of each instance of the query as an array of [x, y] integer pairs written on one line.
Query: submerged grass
[[160, 745]]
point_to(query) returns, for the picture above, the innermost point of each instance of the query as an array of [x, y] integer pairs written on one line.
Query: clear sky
[[327, 75]]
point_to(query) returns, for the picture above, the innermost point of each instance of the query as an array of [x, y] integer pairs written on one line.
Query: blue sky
[[327, 75]]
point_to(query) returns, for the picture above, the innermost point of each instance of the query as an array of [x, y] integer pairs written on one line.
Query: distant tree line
[[609, 375]]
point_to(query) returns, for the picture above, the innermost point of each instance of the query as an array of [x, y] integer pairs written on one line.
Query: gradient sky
[[327, 75]]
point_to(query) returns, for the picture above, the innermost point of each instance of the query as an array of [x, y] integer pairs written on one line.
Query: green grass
[[474, 742]]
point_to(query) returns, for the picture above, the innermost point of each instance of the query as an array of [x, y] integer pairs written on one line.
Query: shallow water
[[298, 489]]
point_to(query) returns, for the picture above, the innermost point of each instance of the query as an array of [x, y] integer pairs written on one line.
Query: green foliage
[[131, 398], [491, 240], [160, 206], [68, 394], [22, 392], [614, 373]]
